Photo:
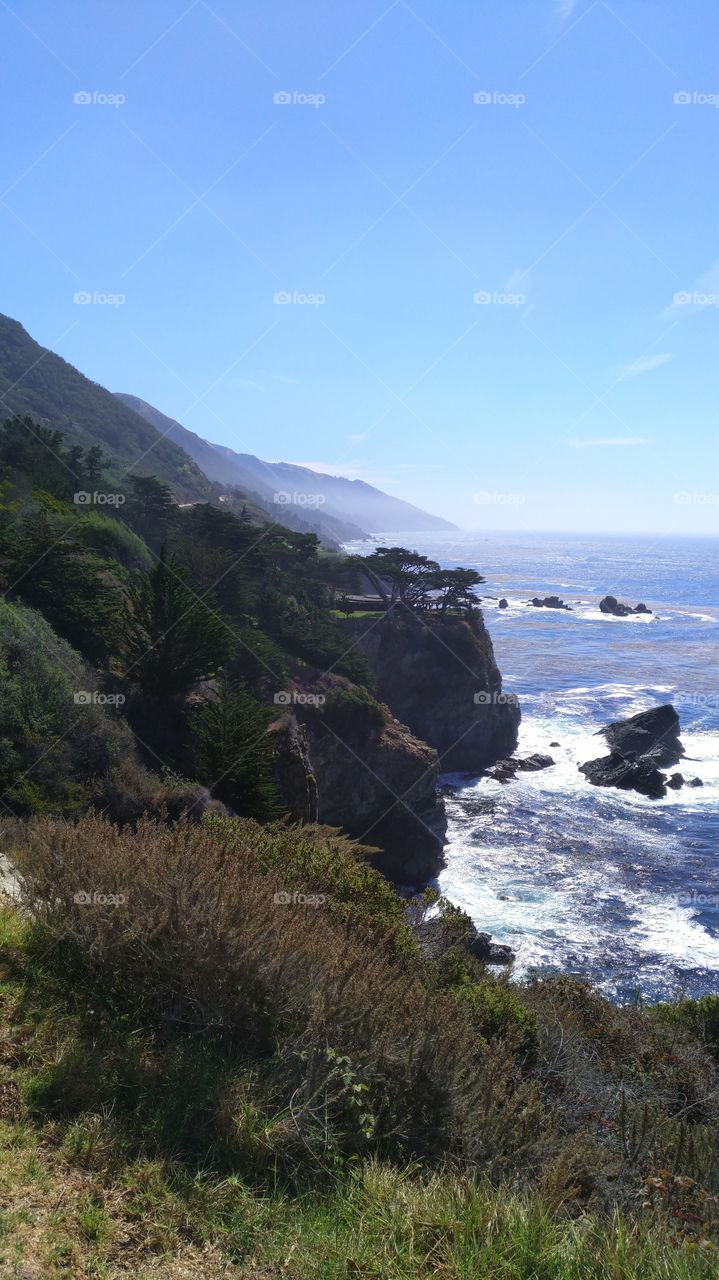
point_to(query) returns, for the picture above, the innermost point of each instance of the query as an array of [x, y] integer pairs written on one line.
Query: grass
[[92, 1187], [357, 613]]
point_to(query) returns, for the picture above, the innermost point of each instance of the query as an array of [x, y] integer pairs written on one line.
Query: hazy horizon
[[468, 257]]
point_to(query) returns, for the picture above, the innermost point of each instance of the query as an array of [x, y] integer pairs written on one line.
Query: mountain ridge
[[368, 508], [35, 381]]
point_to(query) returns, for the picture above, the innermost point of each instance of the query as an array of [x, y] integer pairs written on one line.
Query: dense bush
[[351, 712], [697, 1017], [233, 753], [188, 924], [56, 754]]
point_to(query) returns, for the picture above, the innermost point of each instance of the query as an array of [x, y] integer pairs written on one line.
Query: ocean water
[[580, 879]]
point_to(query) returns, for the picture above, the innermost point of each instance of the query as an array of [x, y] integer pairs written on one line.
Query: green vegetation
[[35, 381], [158, 598], [230, 1049], [225, 1047], [408, 578]]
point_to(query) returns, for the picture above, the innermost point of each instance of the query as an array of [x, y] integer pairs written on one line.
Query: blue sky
[[576, 198]]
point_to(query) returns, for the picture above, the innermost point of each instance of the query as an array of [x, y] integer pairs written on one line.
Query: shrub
[[55, 754], [190, 928], [699, 1017], [352, 712], [497, 1011]]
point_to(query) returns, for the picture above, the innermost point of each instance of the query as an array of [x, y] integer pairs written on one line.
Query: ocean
[[609, 885]]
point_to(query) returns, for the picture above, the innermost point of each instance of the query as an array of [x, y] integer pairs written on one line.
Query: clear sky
[[576, 195]]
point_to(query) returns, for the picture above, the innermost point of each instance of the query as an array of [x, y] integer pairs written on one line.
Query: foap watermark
[[495, 98], [83, 498], [93, 898], [691, 898], [298, 98], [695, 98], [283, 298], [695, 298], [696, 700], [686, 499], [485, 698], [483, 298], [284, 498], [486, 498], [96, 98], [288, 698], [93, 698], [283, 898], [83, 298]]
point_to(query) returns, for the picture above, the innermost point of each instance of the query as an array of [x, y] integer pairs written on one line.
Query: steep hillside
[[33, 380], [231, 473], [352, 499], [357, 506]]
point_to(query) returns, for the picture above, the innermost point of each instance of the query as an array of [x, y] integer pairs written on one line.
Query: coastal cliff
[[440, 678], [345, 761], [370, 764]]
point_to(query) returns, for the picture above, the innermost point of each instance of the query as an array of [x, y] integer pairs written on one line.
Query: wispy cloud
[[565, 8], [646, 364], [607, 442], [248, 384]]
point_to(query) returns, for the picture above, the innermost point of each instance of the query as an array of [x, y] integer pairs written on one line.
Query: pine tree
[[178, 637], [234, 755]]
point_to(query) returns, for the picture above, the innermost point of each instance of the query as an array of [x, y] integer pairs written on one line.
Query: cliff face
[[293, 769], [348, 763], [380, 787], [370, 765], [440, 678]]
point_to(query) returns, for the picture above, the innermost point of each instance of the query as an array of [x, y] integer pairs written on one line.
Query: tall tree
[[177, 638], [401, 576], [234, 756]]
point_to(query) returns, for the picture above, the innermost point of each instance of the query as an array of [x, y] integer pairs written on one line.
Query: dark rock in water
[[638, 747], [503, 770], [443, 934], [479, 807], [482, 948], [503, 604], [550, 602], [506, 770], [652, 736], [610, 604], [615, 770], [555, 744], [696, 782], [536, 761]]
